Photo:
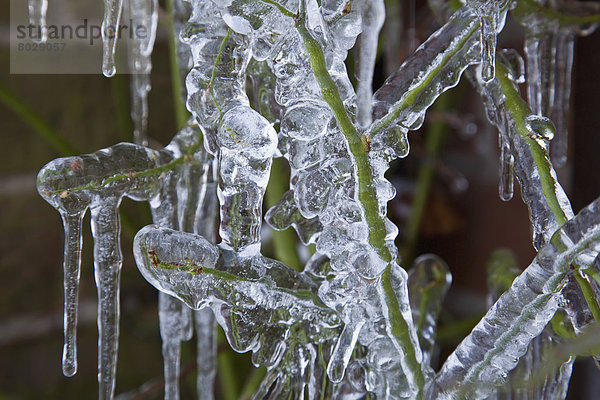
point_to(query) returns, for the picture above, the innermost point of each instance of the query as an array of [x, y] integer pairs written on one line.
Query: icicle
[[110, 24], [506, 187], [562, 95], [206, 354], [72, 267], [343, 351], [175, 327], [107, 271], [37, 18], [247, 143], [428, 282], [491, 16], [373, 15], [143, 13], [540, 53]]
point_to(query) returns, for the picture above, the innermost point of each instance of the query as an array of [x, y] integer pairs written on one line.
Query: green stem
[[284, 242], [181, 113], [519, 110], [410, 98], [366, 195], [532, 7], [36, 122], [227, 375], [131, 175]]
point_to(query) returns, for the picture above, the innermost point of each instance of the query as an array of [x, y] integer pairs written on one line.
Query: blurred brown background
[[463, 224]]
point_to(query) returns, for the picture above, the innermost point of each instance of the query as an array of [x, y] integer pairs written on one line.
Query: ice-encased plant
[[268, 79]]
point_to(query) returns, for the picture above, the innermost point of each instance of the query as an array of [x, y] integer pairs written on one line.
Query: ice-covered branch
[[493, 348]]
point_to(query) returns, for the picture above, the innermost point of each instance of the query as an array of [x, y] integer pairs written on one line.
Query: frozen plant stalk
[[353, 323]]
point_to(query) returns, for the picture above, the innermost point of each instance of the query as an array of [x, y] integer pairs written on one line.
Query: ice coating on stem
[[527, 133], [484, 358], [242, 291], [110, 24], [143, 13], [372, 16], [108, 261], [406, 95], [99, 181], [37, 18], [428, 282]]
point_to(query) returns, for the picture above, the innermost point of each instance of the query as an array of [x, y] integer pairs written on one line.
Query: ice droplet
[[540, 128]]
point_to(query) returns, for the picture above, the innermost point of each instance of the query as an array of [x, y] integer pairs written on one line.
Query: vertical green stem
[[367, 197]]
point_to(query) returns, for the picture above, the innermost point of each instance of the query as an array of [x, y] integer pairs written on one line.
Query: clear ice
[[353, 324], [37, 18], [143, 13], [112, 17]]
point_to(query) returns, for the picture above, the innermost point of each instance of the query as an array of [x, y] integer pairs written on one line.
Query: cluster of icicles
[[353, 315]]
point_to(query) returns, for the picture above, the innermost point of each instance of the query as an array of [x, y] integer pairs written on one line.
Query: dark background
[[91, 112]]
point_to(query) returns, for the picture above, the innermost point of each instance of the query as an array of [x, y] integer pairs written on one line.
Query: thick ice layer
[[484, 358], [257, 301], [247, 142]]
